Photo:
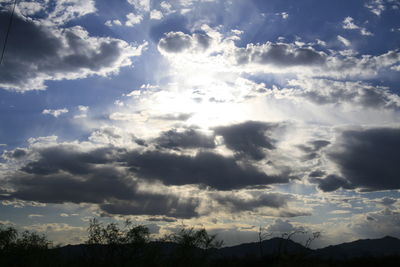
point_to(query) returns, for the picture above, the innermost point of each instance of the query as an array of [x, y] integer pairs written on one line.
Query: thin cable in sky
[[7, 33]]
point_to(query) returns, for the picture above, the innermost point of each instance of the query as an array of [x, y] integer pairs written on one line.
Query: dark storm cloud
[[293, 213], [235, 203], [63, 174], [331, 183], [70, 159], [248, 138], [369, 159], [161, 219], [316, 174], [36, 53], [187, 139], [154, 204], [178, 42], [103, 183], [279, 54], [204, 168], [113, 191]]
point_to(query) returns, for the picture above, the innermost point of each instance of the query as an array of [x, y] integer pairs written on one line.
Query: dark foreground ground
[[108, 245], [167, 254]]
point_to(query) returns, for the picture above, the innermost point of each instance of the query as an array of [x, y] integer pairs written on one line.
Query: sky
[[230, 115]]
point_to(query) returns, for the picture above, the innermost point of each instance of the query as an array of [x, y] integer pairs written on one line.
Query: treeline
[[131, 245]]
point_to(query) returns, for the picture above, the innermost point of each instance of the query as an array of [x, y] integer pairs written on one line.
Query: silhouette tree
[[8, 236], [315, 235]]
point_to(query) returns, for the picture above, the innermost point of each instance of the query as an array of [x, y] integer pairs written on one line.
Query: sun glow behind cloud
[[255, 122]]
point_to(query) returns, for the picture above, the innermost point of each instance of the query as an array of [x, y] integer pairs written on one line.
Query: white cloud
[[34, 215], [167, 7], [140, 5], [83, 110], [284, 15], [111, 23], [376, 6], [67, 10], [133, 19], [119, 116], [348, 24], [29, 8], [55, 112], [365, 32], [321, 43], [343, 40], [156, 14]]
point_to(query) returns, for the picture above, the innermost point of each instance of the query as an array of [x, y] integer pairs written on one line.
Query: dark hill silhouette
[[274, 246], [386, 246]]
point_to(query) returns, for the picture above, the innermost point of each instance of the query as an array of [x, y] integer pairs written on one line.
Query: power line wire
[[7, 33]]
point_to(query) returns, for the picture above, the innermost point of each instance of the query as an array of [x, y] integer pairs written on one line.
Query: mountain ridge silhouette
[[381, 247]]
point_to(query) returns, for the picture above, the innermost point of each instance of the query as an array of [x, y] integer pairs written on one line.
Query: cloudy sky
[[228, 115]]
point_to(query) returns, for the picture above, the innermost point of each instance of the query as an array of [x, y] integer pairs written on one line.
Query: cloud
[[377, 224], [37, 53], [70, 174], [248, 138], [376, 6], [284, 15], [140, 5], [55, 112], [343, 40], [312, 148], [154, 204], [237, 203], [368, 158], [53, 13], [111, 23], [178, 42], [187, 139], [218, 51], [173, 117], [15, 154], [204, 168], [387, 201], [113, 177], [105, 184], [167, 7], [69, 158], [348, 24], [282, 226], [331, 183], [83, 110], [31, 216], [132, 19], [279, 54], [156, 14], [327, 91]]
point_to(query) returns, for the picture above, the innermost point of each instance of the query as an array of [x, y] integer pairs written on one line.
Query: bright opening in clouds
[[228, 115]]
